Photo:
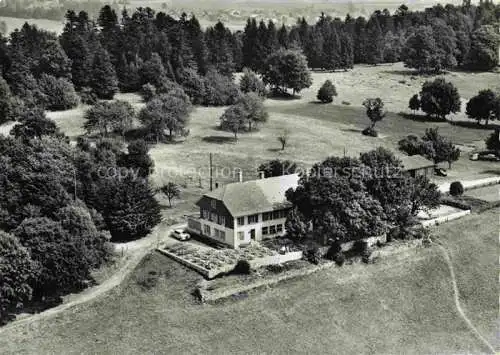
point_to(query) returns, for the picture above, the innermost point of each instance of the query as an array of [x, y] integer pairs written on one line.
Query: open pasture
[[340, 308]]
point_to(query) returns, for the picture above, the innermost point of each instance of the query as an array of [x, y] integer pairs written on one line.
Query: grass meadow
[[401, 303]]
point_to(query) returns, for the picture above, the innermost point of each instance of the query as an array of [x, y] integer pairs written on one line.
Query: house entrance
[[252, 234]]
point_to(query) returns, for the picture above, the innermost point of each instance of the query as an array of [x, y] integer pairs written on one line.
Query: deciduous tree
[[327, 92], [484, 106], [287, 69], [439, 98], [414, 103], [165, 112], [250, 82], [18, 272], [106, 117], [171, 191]]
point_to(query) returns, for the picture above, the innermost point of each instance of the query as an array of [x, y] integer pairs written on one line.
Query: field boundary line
[[456, 297]]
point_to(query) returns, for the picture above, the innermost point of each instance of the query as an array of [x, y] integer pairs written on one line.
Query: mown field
[[400, 304], [473, 246]]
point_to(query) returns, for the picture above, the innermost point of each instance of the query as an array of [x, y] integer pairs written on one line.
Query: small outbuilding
[[417, 165]]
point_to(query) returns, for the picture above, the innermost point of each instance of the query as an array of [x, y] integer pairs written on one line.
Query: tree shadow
[[411, 72], [353, 130], [282, 96], [317, 102], [475, 125], [274, 150], [144, 134], [421, 118], [218, 139], [491, 171]]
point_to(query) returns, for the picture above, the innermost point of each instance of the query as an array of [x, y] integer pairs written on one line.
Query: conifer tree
[[103, 82]]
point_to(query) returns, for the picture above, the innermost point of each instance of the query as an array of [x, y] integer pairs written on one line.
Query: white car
[[180, 235]]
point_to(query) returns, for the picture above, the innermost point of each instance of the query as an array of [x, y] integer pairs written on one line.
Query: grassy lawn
[[399, 304], [393, 127], [487, 193], [473, 244]]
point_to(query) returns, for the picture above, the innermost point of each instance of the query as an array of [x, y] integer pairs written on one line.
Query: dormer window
[[214, 203]]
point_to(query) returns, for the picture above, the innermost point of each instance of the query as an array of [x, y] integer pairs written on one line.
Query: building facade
[[239, 213]]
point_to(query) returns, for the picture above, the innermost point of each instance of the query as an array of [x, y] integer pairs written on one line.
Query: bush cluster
[[242, 268], [456, 188], [368, 131]]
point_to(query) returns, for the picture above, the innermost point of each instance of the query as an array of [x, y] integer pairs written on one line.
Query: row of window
[[272, 229], [217, 233], [213, 217], [252, 219], [266, 216]]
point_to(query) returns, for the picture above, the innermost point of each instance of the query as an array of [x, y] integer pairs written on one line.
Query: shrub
[[339, 259], [313, 255], [327, 92], [87, 96], [393, 234], [148, 91], [60, 93], [334, 250], [420, 232], [242, 268], [360, 246], [149, 280], [456, 188], [371, 132], [276, 268], [366, 255]]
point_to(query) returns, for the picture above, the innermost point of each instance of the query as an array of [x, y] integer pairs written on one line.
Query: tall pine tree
[[103, 82]]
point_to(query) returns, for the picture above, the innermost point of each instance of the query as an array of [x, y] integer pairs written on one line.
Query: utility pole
[[211, 177], [74, 173]]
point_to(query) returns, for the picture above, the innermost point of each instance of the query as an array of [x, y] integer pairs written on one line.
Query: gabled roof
[[255, 196], [415, 162]]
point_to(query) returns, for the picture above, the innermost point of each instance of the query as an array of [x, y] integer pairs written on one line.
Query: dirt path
[[456, 297], [133, 253]]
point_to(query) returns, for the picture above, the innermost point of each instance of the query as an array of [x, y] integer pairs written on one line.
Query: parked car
[[180, 235], [489, 157], [440, 172]]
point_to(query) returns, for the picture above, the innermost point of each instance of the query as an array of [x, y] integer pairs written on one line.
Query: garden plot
[[211, 263]]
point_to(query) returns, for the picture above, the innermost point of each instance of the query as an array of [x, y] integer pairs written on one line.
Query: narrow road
[[133, 252], [456, 296]]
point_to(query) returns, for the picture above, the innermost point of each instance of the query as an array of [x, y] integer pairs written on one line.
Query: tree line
[[127, 51], [61, 205]]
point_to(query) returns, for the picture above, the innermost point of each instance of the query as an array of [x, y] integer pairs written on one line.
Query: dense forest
[[124, 53]]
